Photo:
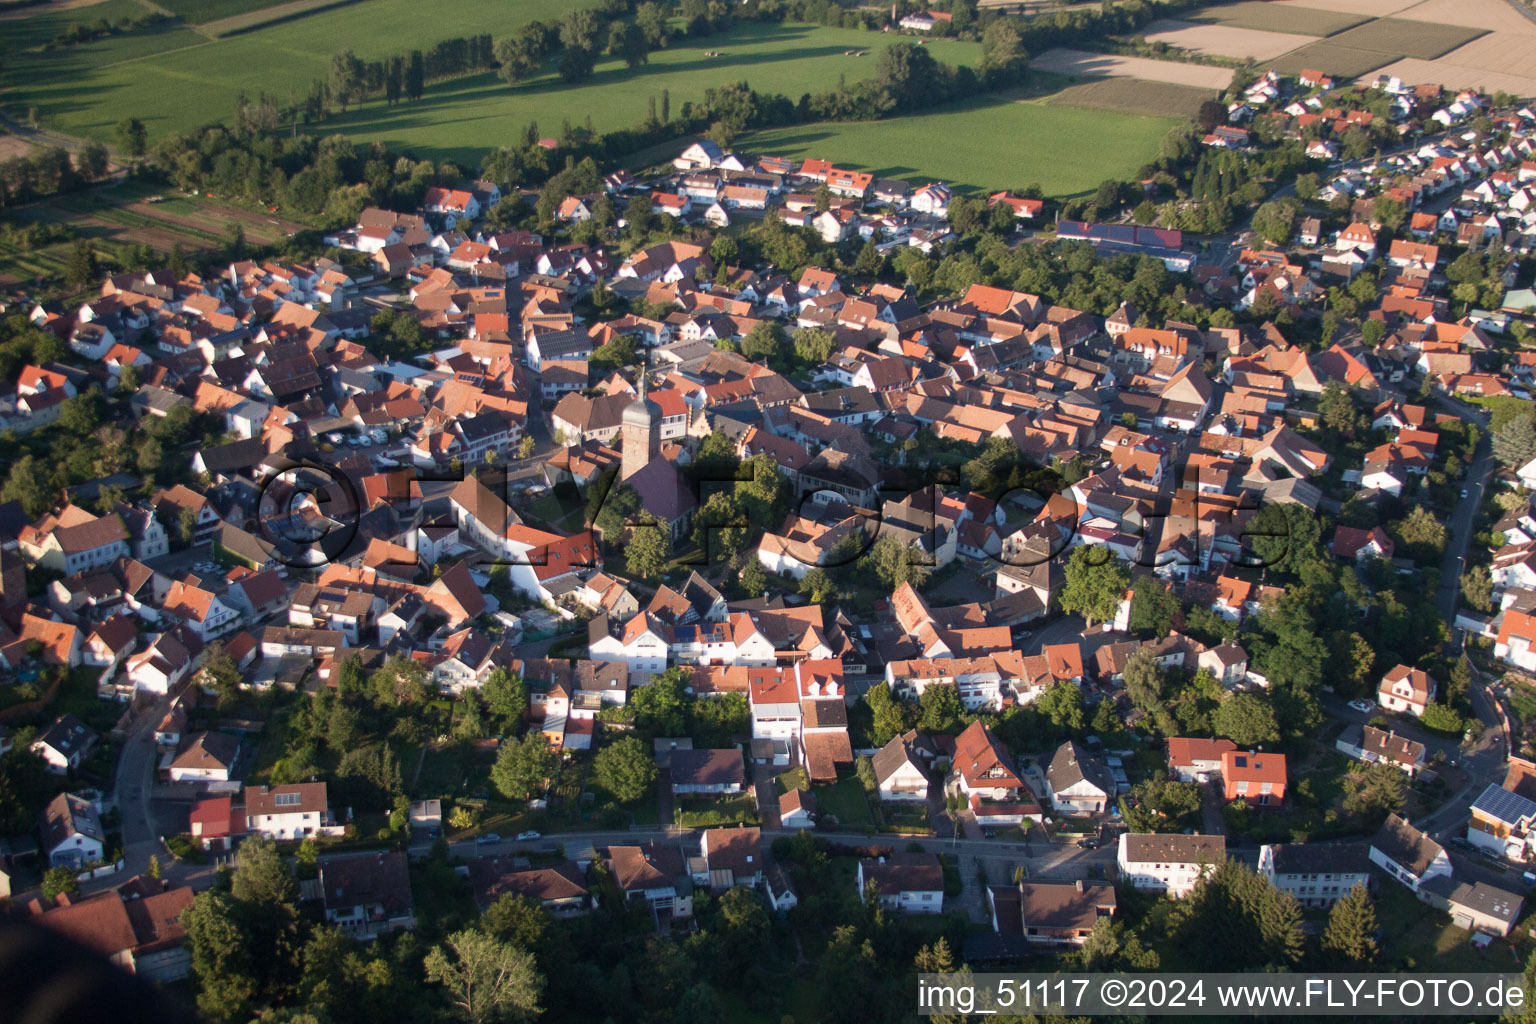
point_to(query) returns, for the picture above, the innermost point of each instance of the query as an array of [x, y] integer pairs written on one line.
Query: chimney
[[1079, 885]]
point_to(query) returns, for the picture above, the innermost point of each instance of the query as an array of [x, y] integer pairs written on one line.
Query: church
[[662, 490]]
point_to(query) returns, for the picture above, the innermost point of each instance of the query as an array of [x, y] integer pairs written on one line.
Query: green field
[[198, 11], [1423, 39], [988, 143], [175, 79], [1331, 58], [1267, 17], [1135, 96]]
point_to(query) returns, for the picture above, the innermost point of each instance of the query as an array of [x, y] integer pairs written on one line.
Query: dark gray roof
[[1488, 899], [1403, 844], [1322, 858], [707, 767], [1072, 765]]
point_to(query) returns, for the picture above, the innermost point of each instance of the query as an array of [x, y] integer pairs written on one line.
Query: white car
[[336, 438], [1363, 706], [379, 437], [523, 837]]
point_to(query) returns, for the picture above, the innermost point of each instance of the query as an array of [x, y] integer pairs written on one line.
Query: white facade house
[[1170, 864], [287, 812], [910, 882], [1317, 874], [1408, 855]]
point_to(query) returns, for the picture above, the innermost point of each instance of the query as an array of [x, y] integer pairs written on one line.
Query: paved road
[[1464, 518]]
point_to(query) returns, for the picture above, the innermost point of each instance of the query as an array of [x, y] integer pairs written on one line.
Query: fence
[[101, 872]]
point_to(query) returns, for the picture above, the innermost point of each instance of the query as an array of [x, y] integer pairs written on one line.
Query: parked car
[[1463, 492], [489, 837], [1088, 844], [523, 837], [1363, 706], [379, 436]]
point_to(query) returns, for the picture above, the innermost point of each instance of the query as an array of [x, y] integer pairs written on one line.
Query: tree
[[220, 674], [398, 681], [517, 919], [649, 547], [262, 876], [892, 716], [80, 269], [1246, 720], [1422, 535], [1235, 920], [1374, 792], [625, 768], [1337, 410], [1153, 608], [92, 161], [812, 346], [941, 709], [415, 76], [1144, 681], [1062, 704], [1350, 938], [627, 40], [484, 978], [895, 563], [701, 1004], [506, 695], [131, 136], [517, 59], [1477, 588], [222, 958], [660, 708], [1275, 221], [28, 482], [60, 881], [524, 767], [1094, 581], [1514, 443], [153, 869], [463, 818]]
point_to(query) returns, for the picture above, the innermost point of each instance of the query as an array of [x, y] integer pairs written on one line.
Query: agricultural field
[[196, 12], [1065, 61], [248, 20], [86, 89], [1224, 40], [1282, 17], [990, 143], [1365, 8], [1134, 96], [1331, 58], [1494, 15], [1500, 60], [1407, 38], [119, 215]]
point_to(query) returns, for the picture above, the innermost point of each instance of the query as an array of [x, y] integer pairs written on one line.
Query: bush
[[184, 847]]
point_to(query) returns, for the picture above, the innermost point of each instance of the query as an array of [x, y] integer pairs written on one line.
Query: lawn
[[990, 142], [847, 801], [1271, 18], [701, 811], [186, 81], [1417, 937]]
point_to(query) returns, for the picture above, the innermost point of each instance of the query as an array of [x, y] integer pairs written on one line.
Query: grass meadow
[[989, 142], [175, 79]]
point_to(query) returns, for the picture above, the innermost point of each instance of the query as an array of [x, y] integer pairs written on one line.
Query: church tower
[[640, 432]]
